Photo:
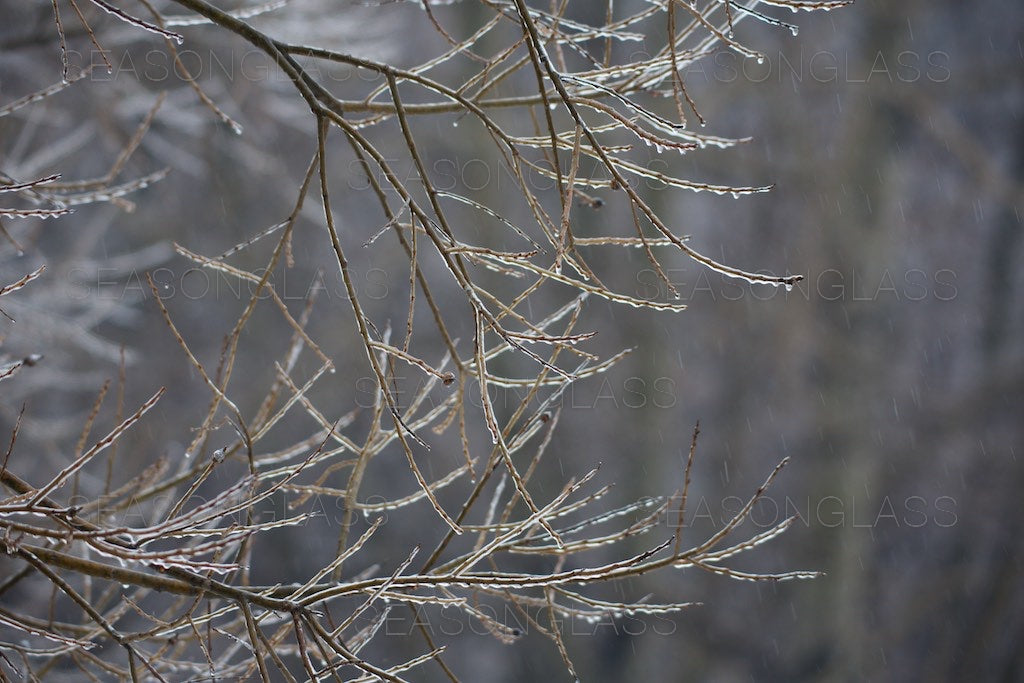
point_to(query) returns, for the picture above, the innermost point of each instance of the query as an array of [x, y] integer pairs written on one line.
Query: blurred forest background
[[892, 375]]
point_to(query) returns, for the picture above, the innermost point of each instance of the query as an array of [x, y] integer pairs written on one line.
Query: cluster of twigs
[[175, 594], [50, 196]]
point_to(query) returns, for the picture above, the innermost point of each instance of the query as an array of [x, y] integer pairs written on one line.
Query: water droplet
[[760, 59], [553, 106], [789, 286], [455, 124], [794, 30]]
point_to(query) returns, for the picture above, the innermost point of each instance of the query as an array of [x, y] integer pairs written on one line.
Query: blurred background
[[892, 376]]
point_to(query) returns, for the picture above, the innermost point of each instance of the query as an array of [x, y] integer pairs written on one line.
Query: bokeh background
[[892, 376]]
